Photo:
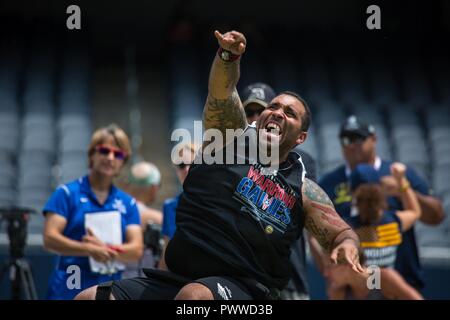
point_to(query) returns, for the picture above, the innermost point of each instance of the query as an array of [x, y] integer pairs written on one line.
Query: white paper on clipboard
[[107, 227]]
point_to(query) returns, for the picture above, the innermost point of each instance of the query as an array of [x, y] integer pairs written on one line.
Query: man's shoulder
[[125, 197], [411, 174], [302, 153]]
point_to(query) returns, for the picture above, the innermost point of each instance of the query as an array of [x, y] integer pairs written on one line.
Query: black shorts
[[163, 285]]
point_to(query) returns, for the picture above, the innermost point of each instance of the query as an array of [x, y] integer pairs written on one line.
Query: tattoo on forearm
[[322, 221], [224, 114], [315, 193], [321, 235], [232, 72], [330, 215]]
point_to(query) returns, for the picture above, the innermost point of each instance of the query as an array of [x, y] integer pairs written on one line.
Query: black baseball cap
[[353, 126], [259, 93]]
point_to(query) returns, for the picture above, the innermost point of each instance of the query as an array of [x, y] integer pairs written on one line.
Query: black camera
[[16, 225], [152, 238], [17, 267]]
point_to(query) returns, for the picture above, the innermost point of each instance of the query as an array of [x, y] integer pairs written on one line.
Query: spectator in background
[[358, 142], [184, 159], [255, 98], [380, 230], [343, 284], [94, 194], [144, 181]]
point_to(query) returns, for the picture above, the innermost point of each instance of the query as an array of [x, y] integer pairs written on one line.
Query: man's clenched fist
[[232, 41]]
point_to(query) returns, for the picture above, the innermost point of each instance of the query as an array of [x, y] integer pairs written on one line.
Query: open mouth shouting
[[273, 130]]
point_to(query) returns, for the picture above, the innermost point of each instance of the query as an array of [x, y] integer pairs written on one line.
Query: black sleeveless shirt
[[238, 219]]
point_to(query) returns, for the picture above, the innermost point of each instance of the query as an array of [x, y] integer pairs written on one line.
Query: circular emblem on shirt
[[269, 229]]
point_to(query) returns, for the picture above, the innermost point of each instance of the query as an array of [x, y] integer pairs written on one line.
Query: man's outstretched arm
[[223, 109], [328, 228]]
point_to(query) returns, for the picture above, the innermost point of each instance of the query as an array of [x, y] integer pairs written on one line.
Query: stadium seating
[[45, 124], [412, 120]]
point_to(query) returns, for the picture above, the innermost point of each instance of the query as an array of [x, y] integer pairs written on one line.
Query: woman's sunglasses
[[105, 151]]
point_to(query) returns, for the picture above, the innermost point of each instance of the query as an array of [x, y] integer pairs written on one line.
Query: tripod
[[17, 266]]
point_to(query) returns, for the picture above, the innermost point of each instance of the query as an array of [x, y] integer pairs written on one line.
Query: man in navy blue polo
[[358, 141]]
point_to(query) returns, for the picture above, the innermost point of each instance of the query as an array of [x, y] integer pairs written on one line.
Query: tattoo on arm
[[321, 219], [224, 114], [232, 73], [315, 193], [330, 215], [321, 234]]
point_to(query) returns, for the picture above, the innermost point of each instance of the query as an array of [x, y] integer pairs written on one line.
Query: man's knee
[[194, 291], [93, 293], [87, 294]]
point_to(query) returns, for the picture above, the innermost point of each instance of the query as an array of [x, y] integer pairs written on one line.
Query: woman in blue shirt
[[89, 198]]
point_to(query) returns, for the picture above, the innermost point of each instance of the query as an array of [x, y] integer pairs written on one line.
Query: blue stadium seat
[[369, 113], [417, 87], [329, 112], [285, 74], [441, 71], [33, 197], [403, 115], [437, 116], [69, 171], [9, 132], [439, 134], [316, 76], [34, 178], [7, 196], [310, 144], [433, 236], [441, 178], [349, 81], [383, 87], [36, 223]]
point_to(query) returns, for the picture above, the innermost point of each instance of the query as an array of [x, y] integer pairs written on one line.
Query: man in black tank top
[[239, 215], [255, 98]]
